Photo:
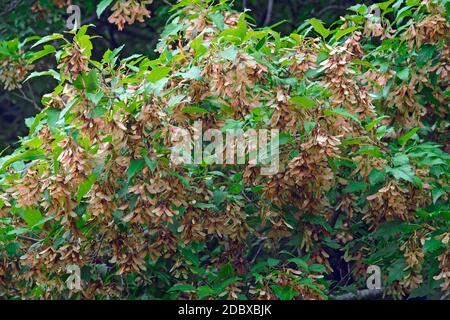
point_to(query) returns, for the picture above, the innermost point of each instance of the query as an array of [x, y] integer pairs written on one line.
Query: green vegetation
[[362, 109]]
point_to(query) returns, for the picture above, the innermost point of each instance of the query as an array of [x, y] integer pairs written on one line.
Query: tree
[[363, 179]]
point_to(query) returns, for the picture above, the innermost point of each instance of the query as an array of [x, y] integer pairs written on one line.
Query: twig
[[333, 6], [26, 238], [99, 247], [344, 278], [89, 19], [260, 245], [30, 89], [26, 98], [268, 13], [4, 150], [111, 35]]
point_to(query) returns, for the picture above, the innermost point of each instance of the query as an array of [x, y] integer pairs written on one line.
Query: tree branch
[[366, 294], [268, 13], [22, 237], [331, 7]]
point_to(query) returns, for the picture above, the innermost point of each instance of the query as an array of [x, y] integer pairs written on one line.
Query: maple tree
[[362, 108]]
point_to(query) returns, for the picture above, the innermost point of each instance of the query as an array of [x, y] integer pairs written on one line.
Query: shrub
[[363, 180]]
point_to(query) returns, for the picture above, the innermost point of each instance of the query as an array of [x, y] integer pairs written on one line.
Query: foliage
[[363, 110], [27, 18]]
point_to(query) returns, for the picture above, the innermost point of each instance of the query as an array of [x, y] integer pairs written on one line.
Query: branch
[[268, 13], [260, 245], [366, 294], [99, 247], [22, 95], [333, 6], [89, 19], [28, 238]]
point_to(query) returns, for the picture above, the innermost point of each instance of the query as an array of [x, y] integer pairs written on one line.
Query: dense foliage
[[362, 108], [140, 33]]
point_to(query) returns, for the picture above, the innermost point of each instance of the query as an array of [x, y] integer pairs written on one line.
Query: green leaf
[[182, 288], [425, 54], [303, 102], [12, 248], [340, 33], [373, 123], [359, 8], [54, 36], [402, 173], [151, 164], [236, 188], [384, 5], [136, 166], [229, 54], [194, 109], [400, 159], [317, 268], [52, 118], [86, 44], [404, 139], [299, 262], [194, 73], [91, 81], [319, 28], [436, 193], [376, 176], [158, 73], [175, 100], [202, 206], [286, 293], [47, 50], [396, 271], [403, 74], [236, 35], [18, 231], [204, 291], [355, 186], [51, 73], [198, 47], [273, 262], [432, 245], [86, 186], [24, 156], [219, 197], [373, 151], [341, 112], [102, 6], [32, 216], [41, 222], [217, 19], [95, 97], [309, 126]]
